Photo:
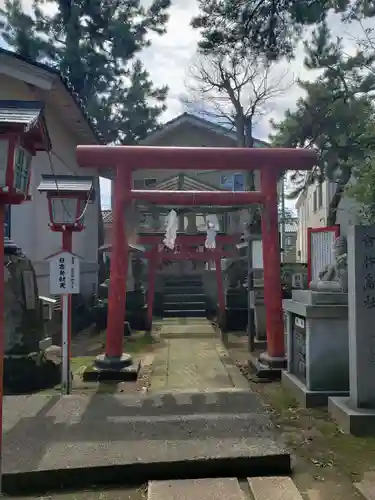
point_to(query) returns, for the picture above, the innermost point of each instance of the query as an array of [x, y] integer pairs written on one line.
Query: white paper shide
[[212, 229], [171, 230]]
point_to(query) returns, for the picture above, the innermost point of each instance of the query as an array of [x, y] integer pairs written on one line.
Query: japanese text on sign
[[64, 274], [368, 262]]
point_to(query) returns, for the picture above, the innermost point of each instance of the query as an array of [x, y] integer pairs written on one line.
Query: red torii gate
[[155, 257], [270, 162]]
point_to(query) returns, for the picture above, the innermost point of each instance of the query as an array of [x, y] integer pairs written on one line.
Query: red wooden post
[[67, 245], [271, 268], [152, 265], [118, 267], [2, 334]]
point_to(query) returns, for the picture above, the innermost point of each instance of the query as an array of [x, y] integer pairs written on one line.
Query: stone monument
[[136, 308], [235, 274], [317, 335], [26, 364], [356, 413]]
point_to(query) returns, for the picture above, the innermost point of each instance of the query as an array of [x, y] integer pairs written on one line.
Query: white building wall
[[29, 222]]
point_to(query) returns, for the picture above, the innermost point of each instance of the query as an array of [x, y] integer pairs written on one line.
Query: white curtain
[[171, 230]]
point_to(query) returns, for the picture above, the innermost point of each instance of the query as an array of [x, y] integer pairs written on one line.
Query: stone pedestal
[[317, 346], [260, 318], [235, 310], [136, 309], [356, 413]]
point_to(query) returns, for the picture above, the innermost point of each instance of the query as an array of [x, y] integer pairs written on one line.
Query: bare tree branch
[[235, 89]]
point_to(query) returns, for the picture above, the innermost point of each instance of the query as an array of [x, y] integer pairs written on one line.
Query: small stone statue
[[236, 273], [334, 277]]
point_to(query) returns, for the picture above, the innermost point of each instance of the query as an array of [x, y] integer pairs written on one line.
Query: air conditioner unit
[[297, 280]]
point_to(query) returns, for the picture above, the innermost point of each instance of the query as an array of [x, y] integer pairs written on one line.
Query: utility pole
[[282, 221], [250, 278]]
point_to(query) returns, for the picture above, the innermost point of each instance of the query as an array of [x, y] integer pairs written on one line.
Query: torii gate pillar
[[275, 354]]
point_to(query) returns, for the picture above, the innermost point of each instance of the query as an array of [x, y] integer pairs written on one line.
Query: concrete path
[[194, 364], [193, 360]]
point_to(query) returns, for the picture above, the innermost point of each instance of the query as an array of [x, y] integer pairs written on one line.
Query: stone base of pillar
[[266, 367], [272, 361], [112, 368]]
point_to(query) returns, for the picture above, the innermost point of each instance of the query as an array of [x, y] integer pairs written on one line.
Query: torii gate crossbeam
[[271, 162]]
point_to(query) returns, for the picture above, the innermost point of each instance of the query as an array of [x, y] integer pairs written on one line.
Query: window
[[22, 161], [233, 182], [289, 241], [320, 195], [147, 183], [4, 146]]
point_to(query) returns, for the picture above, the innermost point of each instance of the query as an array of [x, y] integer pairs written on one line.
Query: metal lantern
[[22, 134], [68, 196]]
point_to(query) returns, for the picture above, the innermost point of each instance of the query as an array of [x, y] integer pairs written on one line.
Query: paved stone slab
[[366, 488], [50, 433], [275, 488], [195, 489], [192, 363]]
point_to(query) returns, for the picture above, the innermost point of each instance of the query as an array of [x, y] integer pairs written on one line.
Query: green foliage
[[335, 117], [94, 44], [363, 190], [271, 27]]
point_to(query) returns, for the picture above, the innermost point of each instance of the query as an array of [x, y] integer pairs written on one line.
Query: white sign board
[[64, 274], [257, 254]]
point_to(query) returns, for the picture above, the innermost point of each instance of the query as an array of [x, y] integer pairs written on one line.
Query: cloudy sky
[[170, 55]]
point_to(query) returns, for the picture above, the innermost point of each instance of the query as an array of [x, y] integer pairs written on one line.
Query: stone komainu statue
[[334, 277]]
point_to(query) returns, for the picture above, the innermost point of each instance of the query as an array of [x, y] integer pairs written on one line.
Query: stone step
[[195, 489], [183, 283], [275, 488], [184, 297], [183, 290], [182, 279], [184, 313], [262, 488], [366, 488], [185, 306]]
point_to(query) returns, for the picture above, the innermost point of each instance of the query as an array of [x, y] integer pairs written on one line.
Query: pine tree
[[271, 27], [95, 45], [336, 117]]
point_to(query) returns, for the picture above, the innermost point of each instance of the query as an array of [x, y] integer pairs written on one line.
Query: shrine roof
[[184, 183], [66, 183], [62, 93], [193, 120], [26, 113], [25, 117]]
